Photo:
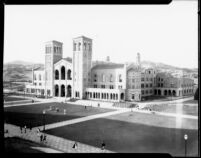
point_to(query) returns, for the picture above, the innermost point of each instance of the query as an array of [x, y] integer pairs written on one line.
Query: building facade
[[77, 78]]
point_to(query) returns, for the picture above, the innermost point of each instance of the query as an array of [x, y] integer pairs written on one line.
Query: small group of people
[[25, 128], [43, 138]]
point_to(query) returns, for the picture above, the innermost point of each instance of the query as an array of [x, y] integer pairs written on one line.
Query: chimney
[[138, 59], [108, 59]]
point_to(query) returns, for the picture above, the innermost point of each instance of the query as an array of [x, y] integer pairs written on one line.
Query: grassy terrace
[[8, 99], [17, 145], [191, 102], [173, 108], [139, 133], [33, 114]]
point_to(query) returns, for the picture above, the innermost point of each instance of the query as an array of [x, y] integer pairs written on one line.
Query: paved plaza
[[60, 144]]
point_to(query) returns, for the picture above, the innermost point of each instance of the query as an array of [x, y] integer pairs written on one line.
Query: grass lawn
[[33, 114], [173, 108], [191, 102], [7, 99], [17, 145], [130, 137]]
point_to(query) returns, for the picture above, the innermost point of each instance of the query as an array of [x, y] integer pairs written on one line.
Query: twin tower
[[81, 65]]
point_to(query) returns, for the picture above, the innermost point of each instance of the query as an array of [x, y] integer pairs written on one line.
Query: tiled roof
[[39, 69], [108, 66], [68, 59]]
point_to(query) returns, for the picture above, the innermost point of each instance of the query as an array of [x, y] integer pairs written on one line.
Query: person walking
[[41, 138], [30, 127], [44, 138], [25, 129], [75, 145], [103, 146]]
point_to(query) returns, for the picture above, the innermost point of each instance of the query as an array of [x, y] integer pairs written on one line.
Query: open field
[[17, 145], [191, 102], [124, 133], [33, 114], [7, 99], [174, 108]]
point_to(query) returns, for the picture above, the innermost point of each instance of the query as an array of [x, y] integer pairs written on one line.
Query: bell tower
[[82, 57], [53, 53]]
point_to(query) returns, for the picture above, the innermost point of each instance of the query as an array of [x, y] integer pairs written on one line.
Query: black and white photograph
[[101, 78]]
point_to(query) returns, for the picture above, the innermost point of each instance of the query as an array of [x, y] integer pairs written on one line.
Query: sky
[[160, 33]]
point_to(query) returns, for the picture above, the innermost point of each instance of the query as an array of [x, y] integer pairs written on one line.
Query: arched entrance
[[69, 75], [159, 92], [56, 88], [169, 93], [122, 96], [174, 93], [62, 91], [69, 91], [63, 73], [155, 92], [56, 74], [165, 92]]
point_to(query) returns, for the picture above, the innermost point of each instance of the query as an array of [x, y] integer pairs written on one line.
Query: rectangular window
[[111, 87], [142, 79], [133, 80], [150, 85], [133, 96], [142, 85], [147, 85], [102, 86], [39, 84], [142, 91], [95, 86], [133, 86], [161, 84]]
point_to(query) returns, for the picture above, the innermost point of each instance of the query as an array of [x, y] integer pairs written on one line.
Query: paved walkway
[[87, 118], [54, 142]]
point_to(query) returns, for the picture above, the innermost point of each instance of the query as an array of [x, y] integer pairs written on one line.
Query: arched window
[[63, 73], [79, 46], [69, 75], [56, 74], [62, 91]]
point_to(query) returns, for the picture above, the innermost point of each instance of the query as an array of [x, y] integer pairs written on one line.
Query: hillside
[[22, 71], [19, 71]]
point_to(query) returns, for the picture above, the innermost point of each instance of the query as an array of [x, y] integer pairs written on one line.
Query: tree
[[196, 95]]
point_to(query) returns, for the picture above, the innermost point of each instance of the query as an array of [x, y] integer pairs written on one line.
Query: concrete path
[[87, 118], [54, 142]]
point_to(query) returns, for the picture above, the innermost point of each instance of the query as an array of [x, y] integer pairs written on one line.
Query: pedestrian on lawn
[[25, 129], [41, 138], [85, 107], [103, 146], [44, 138], [75, 145]]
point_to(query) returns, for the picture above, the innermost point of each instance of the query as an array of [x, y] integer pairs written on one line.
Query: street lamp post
[[185, 138], [43, 120]]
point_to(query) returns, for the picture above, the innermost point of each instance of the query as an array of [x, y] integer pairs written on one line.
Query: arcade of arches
[[62, 91], [105, 96], [172, 92]]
